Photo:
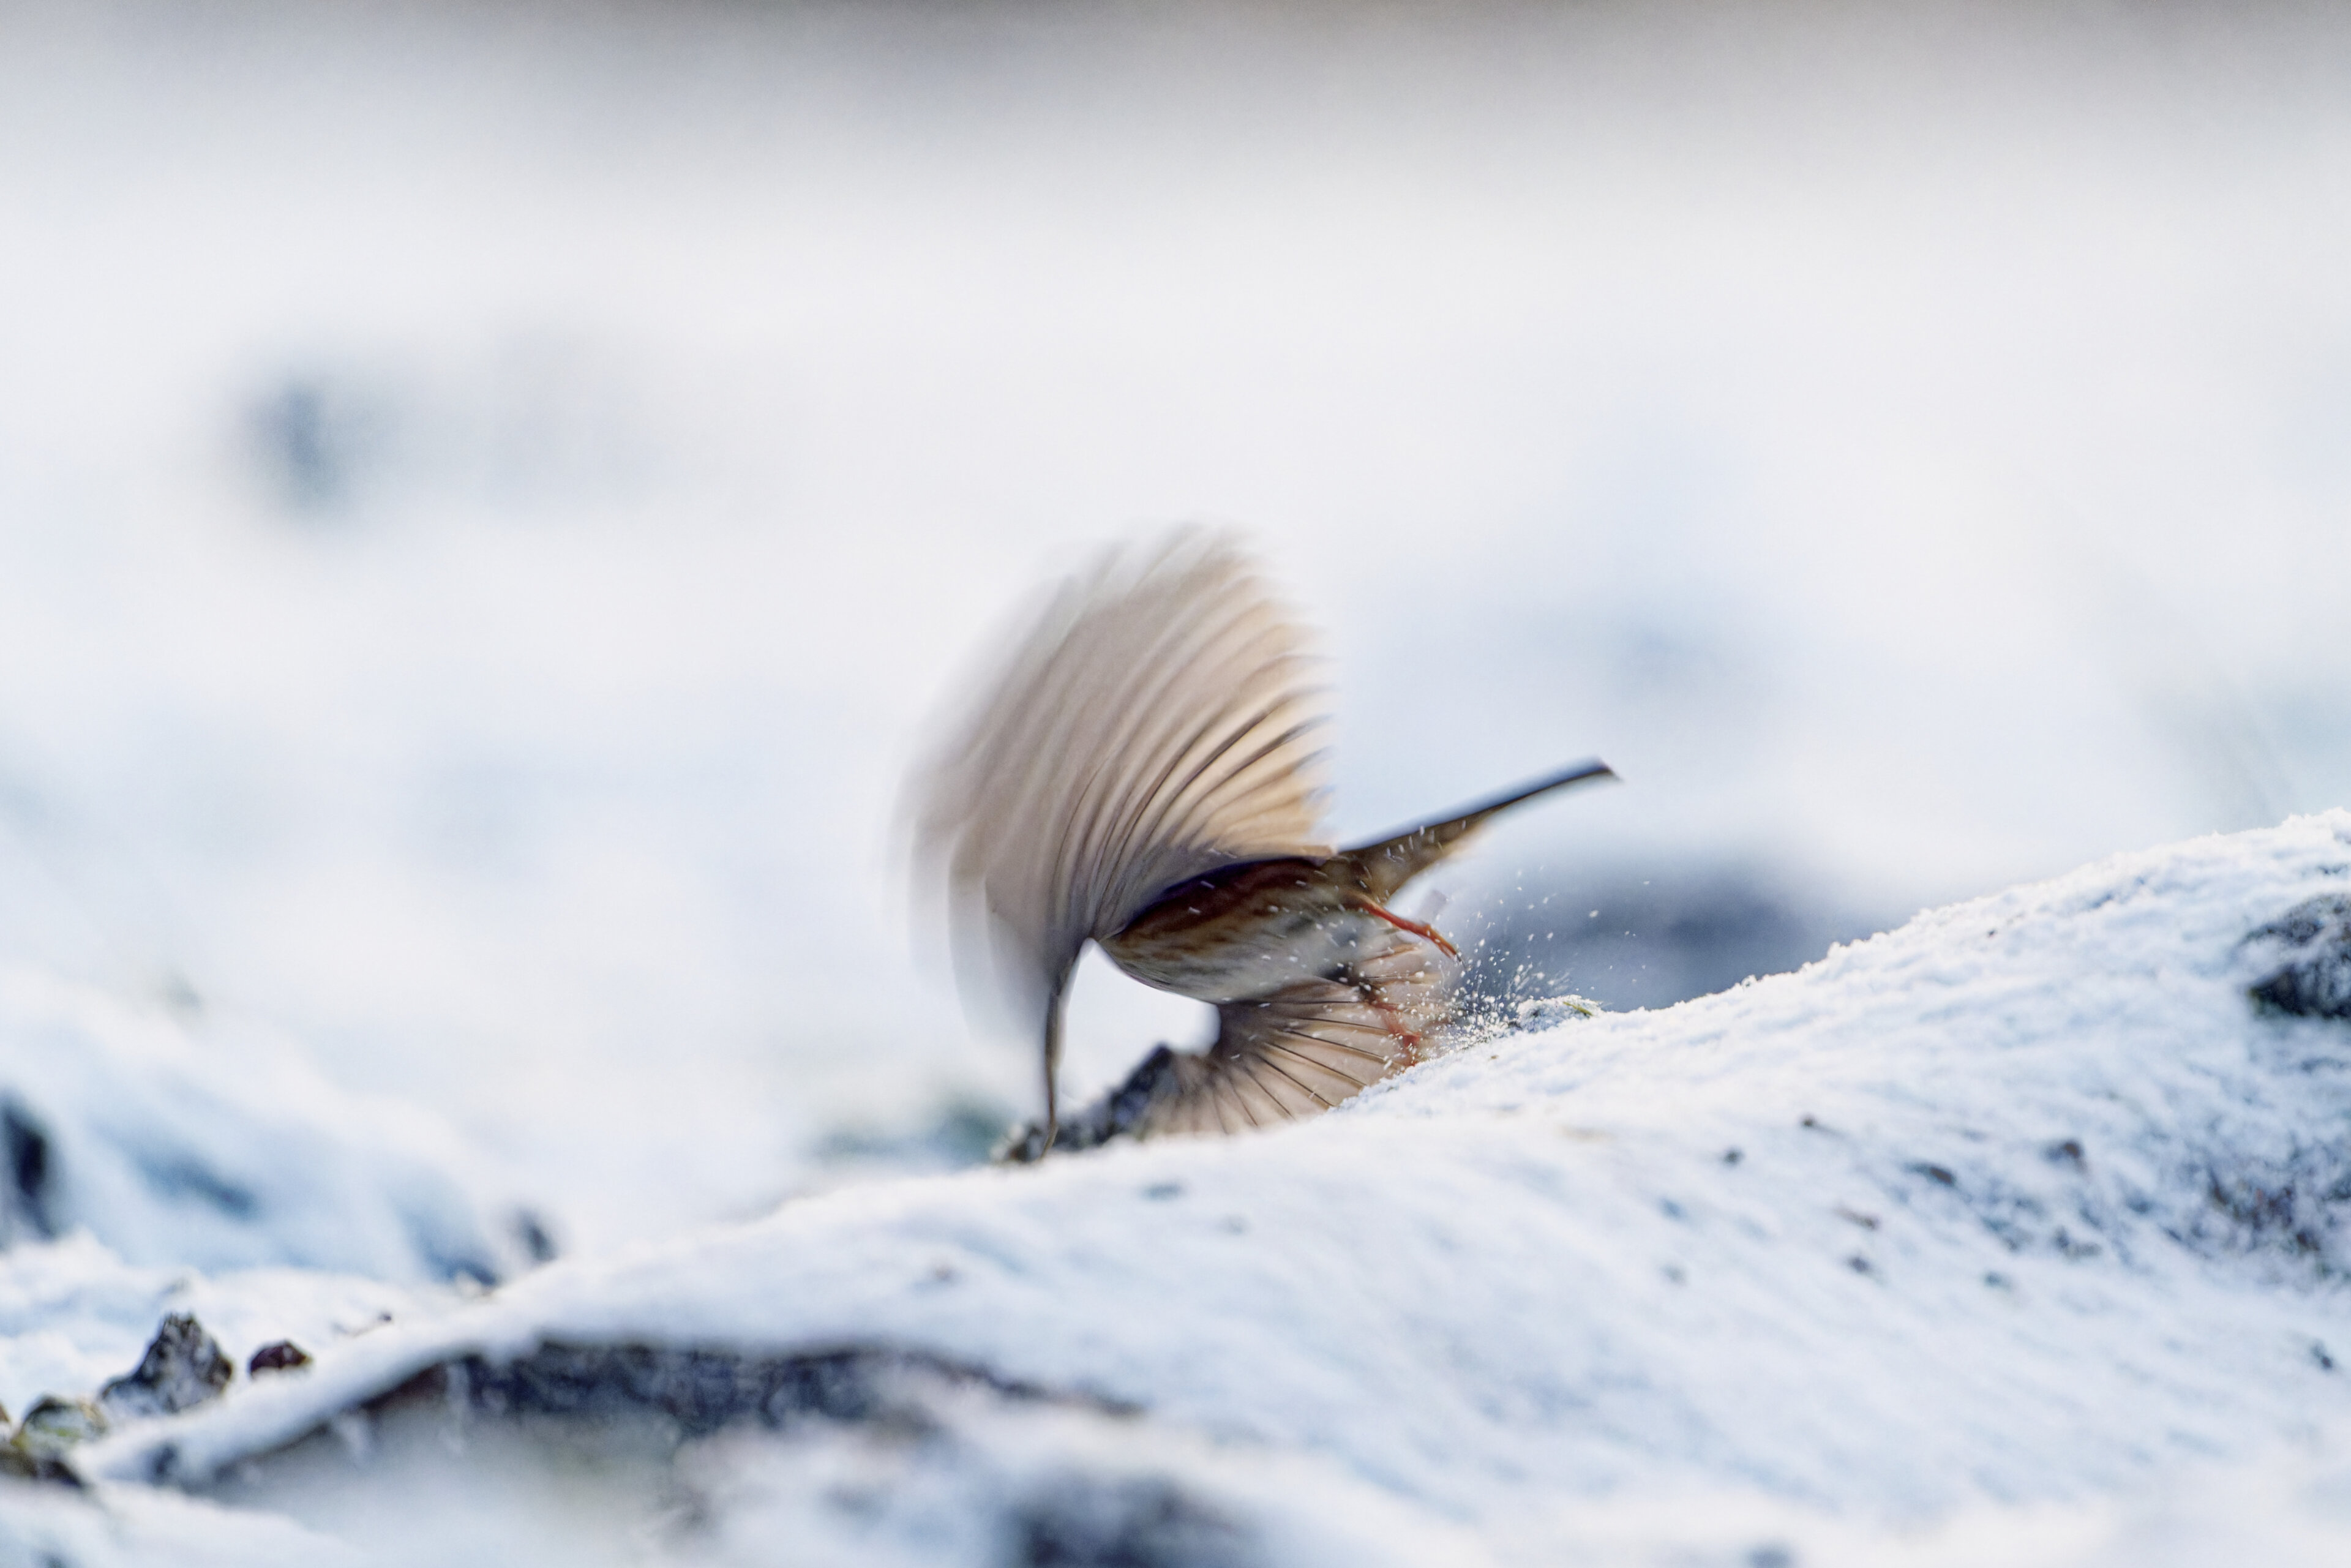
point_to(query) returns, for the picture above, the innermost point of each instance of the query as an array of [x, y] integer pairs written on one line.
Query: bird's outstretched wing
[[1157, 723], [1295, 1053]]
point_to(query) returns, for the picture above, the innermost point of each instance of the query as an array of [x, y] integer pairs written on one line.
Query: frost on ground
[[2018, 1234]]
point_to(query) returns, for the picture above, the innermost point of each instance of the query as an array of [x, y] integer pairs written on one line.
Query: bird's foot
[[1408, 1038], [1428, 933]]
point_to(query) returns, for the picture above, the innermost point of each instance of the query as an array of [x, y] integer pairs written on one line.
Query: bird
[[1146, 772]]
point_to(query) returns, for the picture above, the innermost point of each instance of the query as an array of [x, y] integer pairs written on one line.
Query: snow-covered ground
[[2017, 1234], [116, 1122]]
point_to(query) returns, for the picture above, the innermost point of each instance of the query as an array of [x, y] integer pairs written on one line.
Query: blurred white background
[[490, 495]]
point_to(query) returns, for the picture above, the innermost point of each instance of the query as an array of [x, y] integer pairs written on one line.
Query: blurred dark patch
[[2297, 1204], [316, 439], [515, 426], [29, 1172], [1646, 942], [530, 1232], [1087, 1523], [457, 1265], [187, 1177], [961, 1133]]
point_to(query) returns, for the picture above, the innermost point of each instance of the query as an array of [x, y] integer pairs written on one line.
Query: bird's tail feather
[[1386, 864]]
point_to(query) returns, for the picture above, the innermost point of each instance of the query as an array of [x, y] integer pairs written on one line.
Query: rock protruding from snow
[[2311, 945], [183, 1367], [702, 1390], [37, 1451], [1114, 1116], [56, 1424], [1142, 1523], [279, 1356]]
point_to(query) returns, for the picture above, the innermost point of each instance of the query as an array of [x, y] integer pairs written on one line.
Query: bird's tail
[[1386, 864]]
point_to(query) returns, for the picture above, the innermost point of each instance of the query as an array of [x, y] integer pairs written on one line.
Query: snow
[[232, 1153], [74, 1314], [2021, 1223]]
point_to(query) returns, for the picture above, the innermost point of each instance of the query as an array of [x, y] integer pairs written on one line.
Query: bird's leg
[[1393, 1022], [1428, 933]]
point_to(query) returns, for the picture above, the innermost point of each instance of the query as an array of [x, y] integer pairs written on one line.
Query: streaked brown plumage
[[1145, 774]]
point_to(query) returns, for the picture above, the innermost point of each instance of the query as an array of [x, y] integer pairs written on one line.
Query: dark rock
[[15, 1462], [703, 1390], [50, 1428], [283, 1356], [1089, 1523], [1098, 1123], [183, 1367], [2310, 945]]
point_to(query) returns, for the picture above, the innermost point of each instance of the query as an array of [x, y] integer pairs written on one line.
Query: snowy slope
[[231, 1151], [2027, 1205]]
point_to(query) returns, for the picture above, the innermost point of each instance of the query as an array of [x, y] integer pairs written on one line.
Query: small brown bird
[[1146, 773]]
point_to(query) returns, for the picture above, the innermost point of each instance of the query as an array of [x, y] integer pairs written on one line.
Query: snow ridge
[[2031, 1201]]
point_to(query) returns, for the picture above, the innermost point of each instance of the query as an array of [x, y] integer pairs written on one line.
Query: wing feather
[[1156, 723]]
